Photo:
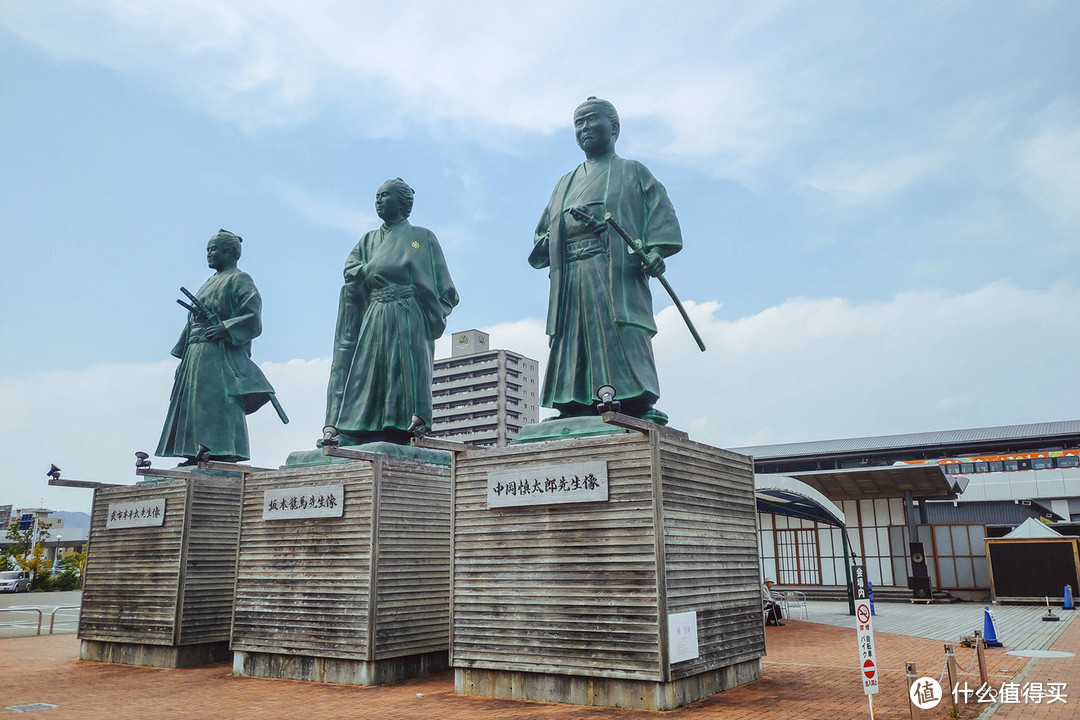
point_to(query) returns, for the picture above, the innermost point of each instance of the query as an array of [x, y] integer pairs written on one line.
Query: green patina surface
[[566, 428], [316, 457]]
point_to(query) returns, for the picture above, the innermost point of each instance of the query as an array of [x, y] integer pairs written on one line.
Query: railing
[[23, 609], [40, 616], [52, 616]]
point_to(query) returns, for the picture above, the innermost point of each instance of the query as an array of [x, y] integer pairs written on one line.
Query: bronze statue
[[600, 321], [392, 308], [217, 383]]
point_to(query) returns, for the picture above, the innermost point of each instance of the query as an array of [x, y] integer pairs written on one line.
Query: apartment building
[[483, 396]]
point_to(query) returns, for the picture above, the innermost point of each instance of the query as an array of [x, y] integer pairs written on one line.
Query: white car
[[14, 581]]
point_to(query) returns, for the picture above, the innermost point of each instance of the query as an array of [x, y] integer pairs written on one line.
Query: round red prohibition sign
[[864, 614], [869, 670]]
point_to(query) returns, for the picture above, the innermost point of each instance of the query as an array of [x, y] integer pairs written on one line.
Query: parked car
[[14, 581]]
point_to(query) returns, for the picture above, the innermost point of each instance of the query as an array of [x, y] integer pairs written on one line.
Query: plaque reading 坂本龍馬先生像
[[303, 502]]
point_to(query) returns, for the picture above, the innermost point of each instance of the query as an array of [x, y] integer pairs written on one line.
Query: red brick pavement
[[1050, 670], [810, 673]]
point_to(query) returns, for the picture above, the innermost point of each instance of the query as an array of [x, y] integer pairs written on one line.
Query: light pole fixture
[[607, 403]]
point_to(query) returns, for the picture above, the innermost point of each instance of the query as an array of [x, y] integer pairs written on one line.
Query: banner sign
[[864, 625]]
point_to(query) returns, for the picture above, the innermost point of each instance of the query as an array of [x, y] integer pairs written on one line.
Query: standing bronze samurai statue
[[393, 306], [600, 319]]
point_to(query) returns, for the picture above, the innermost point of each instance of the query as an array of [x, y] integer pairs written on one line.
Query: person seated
[[770, 606]]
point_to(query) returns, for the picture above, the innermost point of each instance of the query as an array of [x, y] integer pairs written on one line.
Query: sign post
[[864, 625]]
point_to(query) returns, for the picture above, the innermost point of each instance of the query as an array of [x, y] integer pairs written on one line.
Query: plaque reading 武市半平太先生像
[[140, 513]]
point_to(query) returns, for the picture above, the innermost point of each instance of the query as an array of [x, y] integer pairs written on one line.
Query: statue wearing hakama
[[393, 306], [216, 383], [600, 321]]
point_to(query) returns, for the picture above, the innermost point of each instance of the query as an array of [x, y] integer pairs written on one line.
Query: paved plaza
[[810, 673]]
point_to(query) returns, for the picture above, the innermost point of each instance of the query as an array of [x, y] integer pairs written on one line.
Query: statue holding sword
[[216, 383], [600, 323]]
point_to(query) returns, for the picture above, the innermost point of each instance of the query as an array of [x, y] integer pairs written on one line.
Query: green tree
[[28, 555]]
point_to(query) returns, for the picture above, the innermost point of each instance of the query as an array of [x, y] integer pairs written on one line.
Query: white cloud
[[855, 102], [814, 369], [1050, 164], [861, 182], [695, 83], [328, 211]]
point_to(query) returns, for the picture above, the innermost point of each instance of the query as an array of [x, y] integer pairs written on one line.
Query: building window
[[960, 556], [797, 557]]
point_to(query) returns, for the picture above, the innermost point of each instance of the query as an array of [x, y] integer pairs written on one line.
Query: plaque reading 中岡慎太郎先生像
[[548, 485], [303, 502], [140, 513]]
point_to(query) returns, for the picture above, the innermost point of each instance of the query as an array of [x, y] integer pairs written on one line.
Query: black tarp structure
[[1033, 563], [783, 495]]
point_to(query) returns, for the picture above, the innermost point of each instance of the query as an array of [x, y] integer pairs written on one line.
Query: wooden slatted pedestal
[[344, 571], [160, 569], [619, 570]]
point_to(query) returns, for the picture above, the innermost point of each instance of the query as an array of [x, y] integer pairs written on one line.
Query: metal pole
[[847, 570], [912, 676], [980, 646], [909, 514], [33, 548], [954, 673]]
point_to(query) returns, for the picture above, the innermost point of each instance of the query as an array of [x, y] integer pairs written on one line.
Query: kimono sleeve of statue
[[217, 383], [392, 307]]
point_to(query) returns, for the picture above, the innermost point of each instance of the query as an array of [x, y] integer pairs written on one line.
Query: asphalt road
[[19, 624]]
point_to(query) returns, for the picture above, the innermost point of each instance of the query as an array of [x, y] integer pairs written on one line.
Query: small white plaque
[[303, 502], [682, 636], [548, 485], [141, 513]]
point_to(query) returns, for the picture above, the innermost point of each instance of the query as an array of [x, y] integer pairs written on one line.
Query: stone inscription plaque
[[548, 485], [140, 513], [303, 502]]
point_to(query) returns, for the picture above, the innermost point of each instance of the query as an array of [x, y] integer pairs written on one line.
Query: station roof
[[1064, 431], [924, 481]]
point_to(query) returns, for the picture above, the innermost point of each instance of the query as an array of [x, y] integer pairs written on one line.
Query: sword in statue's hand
[[645, 261]]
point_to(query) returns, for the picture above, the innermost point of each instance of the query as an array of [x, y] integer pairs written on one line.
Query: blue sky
[[879, 203]]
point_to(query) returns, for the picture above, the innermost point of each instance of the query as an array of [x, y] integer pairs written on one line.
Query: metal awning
[[783, 495], [927, 482]]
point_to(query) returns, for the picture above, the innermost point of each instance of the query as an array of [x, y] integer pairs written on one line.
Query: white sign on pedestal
[[682, 637]]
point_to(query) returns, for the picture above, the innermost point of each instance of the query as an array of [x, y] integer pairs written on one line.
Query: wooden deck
[[1019, 627]]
